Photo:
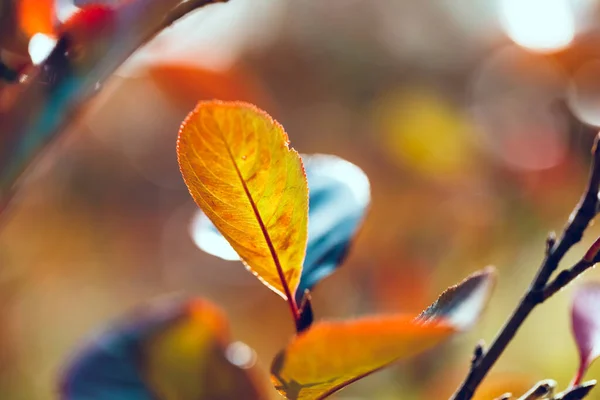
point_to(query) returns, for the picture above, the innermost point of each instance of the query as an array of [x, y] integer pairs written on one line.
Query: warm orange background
[[475, 148]]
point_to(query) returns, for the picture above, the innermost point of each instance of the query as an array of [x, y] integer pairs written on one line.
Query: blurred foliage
[[475, 148]]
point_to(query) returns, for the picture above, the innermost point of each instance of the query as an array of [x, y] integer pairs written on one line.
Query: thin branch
[[565, 277], [30, 125], [540, 290], [183, 9]]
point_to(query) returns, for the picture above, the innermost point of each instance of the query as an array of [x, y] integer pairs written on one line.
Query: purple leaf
[[585, 320]]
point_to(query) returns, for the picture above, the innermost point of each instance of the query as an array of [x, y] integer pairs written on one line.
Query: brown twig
[[565, 277], [540, 290]]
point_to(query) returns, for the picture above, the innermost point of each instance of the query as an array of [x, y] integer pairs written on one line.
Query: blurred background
[[473, 120]]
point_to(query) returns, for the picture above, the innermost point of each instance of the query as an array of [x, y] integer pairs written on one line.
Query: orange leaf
[[185, 84], [36, 16], [330, 355], [237, 165]]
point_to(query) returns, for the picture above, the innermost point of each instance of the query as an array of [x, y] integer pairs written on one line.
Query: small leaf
[[462, 304], [578, 392], [236, 162], [585, 323], [169, 350], [330, 355], [339, 196], [541, 390]]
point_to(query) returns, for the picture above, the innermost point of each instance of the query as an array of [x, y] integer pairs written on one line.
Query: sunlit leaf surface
[[585, 319], [330, 355], [462, 304], [236, 162], [172, 350], [339, 196]]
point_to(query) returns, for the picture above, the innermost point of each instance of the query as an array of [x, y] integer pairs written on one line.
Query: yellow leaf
[[330, 355], [187, 361], [237, 165], [425, 132]]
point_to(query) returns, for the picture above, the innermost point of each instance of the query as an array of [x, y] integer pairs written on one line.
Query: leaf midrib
[[263, 228]]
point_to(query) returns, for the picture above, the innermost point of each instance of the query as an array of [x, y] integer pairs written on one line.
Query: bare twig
[[540, 290], [478, 352], [565, 277], [550, 242]]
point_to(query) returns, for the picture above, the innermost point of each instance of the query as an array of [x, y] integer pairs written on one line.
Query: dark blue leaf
[[108, 367], [339, 196], [172, 348]]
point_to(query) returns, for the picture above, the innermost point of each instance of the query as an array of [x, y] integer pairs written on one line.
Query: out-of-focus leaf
[[172, 350], [185, 84], [330, 355], [206, 235], [424, 131], [462, 304], [236, 162], [339, 195], [38, 109], [36, 16], [585, 323]]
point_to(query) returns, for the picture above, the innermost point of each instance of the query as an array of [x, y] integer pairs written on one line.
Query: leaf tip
[[462, 304]]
